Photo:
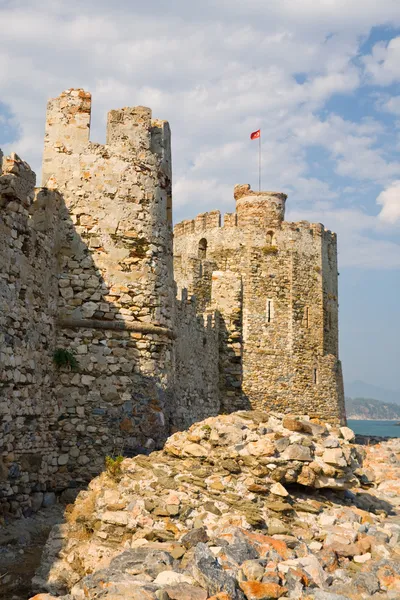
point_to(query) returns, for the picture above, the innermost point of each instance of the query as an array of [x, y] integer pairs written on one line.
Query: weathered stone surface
[[297, 452], [347, 433], [313, 550], [49, 498], [192, 538], [254, 590], [211, 263], [208, 572], [276, 526], [179, 511], [334, 456], [322, 595], [253, 570], [240, 552], [279, 490], [185, 591], [171, 578]]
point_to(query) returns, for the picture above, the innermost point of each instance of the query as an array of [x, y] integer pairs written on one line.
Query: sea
[[379, 428]]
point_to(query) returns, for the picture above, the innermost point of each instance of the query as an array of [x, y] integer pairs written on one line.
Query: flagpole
[[259, 163]]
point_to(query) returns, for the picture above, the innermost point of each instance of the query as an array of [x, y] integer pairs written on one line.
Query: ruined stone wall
[[28, 307], [115, 306], [288, 348]]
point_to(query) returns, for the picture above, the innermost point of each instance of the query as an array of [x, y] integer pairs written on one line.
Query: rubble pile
[[247, 506]]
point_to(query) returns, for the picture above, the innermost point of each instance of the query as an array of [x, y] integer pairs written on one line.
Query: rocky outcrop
[[242, 506]]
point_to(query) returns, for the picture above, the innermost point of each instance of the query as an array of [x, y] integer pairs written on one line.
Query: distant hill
[[368, 408], [360, 389]]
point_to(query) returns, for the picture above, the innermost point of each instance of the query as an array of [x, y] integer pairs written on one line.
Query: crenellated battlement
[[314, 229], [255, 212], [200, 224], [67, 123], [132, 135]]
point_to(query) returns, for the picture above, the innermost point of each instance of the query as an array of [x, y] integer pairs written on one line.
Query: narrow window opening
[[202, 251], [307, 316], [270, 238], [269, 311], [315, 376], [169, 209]]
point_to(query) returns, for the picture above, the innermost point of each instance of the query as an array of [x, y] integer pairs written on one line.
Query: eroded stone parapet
[[129, 127], [208, 220], [17, 181], [68, 120]]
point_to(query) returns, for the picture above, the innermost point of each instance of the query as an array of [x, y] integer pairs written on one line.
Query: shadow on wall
[[126, 383], [112, 405], [59, 422], [107, 405], [231, 365]]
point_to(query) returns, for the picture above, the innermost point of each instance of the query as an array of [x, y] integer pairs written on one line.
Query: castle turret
[[119, 196], [116, 290], [279, 335], [257, 210]]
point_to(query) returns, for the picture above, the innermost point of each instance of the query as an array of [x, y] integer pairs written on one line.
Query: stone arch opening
[[202, 249], [270, 238]]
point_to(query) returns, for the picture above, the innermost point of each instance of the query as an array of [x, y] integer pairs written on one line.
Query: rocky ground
[[243, 506]]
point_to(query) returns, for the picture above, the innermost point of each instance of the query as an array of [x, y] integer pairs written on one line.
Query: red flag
[[255, 135]]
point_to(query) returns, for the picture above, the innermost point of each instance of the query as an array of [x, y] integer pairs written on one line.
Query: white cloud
[[217, 70], [382, 66], [389, 199], [392, 105], [202, 195]]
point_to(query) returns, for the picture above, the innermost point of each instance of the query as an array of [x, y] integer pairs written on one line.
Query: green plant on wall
[[270, 250], [113, 466], [65, 358]]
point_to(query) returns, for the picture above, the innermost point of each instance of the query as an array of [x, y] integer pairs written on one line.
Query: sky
[[321, 80]]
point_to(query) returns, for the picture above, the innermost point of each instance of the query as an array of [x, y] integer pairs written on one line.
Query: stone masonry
[[274, 284], [115, 303], [86, 269]]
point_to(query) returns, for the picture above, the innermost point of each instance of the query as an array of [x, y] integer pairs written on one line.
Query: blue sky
[[322, 80]]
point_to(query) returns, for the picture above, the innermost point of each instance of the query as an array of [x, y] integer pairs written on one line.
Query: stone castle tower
[[87, 271], [275, 286]]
